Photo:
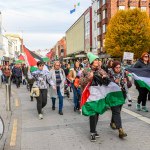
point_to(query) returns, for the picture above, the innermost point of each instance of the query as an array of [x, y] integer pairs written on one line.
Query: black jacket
[[141, 64]]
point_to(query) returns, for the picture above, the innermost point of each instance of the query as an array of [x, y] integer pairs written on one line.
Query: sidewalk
[[6, 115], [71, 131]]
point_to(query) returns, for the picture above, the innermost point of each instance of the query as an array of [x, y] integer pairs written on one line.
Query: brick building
[[107, 8]]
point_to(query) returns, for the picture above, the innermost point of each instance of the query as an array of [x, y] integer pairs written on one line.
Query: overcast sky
[[41, 22]]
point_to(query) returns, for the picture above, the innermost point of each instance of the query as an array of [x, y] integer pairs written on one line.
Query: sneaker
[[144, 109], [40, 116], [138, 107], [113, 126], [53, 107], [122, 134], [60, 112], [129, 103], [97, 135], [93, 137]]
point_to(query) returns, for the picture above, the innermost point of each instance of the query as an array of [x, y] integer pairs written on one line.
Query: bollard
[[8, 103], [9, 83]]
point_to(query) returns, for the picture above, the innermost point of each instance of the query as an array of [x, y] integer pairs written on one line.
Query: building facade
[[79, 35], [62, 48], [1, 39], [94, 26], [107, 8], [75, 37], [18, 41], [88, 30]]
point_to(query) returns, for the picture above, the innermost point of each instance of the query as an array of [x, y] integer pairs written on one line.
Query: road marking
[[136, 115], [17, 103], [14, 133]]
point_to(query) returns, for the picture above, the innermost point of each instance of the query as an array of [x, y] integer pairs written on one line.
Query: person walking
[[41, 79], [7, 73], [72, 75], [17, 72], [118, 76], [57, 75], [143, 62], [87, 78]]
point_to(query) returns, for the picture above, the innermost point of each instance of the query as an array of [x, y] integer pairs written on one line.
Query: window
[[98, 44], [104, 2], [95, 42], [143, 8], [104, 28], [104, 14], [98, 4], [95, 25], [99, 31], [121, 7], [132, 7], [103, 42]]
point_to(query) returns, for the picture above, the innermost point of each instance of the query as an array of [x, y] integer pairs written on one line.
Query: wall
[[75, 37]]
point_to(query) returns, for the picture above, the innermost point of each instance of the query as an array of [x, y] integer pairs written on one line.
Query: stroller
[[66, 91]]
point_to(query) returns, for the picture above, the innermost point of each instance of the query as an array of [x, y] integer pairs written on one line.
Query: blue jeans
[[60, 97], [76, 95]]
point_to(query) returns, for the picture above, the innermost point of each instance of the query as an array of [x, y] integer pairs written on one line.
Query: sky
[[41, 23]]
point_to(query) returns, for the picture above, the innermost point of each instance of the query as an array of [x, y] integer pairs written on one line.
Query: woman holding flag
[[143, 62], [87, 78]]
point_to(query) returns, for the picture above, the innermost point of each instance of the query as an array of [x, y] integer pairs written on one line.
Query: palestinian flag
[[49, 54], [31, 59], [96, 99], [21, 57], [141, 76]]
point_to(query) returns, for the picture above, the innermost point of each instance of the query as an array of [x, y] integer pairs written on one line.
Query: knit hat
[[91, 57]]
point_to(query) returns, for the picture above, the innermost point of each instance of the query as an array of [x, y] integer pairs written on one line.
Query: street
[[70, 131]]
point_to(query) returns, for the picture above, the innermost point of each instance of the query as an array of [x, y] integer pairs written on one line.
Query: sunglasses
[[41, 65], [146, 56]]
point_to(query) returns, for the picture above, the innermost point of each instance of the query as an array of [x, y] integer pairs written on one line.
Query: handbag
[[35, 91]]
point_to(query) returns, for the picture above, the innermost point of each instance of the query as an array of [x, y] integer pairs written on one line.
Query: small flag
[[79, 4], [72, 11]]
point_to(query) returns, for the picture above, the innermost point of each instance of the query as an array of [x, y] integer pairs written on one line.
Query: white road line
[[140, 117]]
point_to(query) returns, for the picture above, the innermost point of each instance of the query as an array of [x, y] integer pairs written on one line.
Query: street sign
[[128, 56]]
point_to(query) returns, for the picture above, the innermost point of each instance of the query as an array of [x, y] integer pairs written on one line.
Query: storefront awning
[[80, 56], [67, 58]]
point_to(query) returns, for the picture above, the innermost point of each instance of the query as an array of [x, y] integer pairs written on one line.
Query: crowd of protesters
[[77, 75]]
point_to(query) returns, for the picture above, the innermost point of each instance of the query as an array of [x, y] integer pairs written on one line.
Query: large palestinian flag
[[141, 76], [96, 99], [31, 59]]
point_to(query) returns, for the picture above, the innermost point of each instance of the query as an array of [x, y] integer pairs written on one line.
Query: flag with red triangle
[[31, 59]]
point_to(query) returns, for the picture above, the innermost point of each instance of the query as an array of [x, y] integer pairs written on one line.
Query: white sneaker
[[40, 116]]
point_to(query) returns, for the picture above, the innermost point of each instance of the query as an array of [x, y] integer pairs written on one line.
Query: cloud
[[36, 41], [40, 17]]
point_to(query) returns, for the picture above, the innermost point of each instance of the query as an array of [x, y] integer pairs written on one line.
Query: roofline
[[79, 18]]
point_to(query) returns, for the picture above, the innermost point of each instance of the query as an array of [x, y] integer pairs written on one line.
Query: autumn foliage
[[128, 31]]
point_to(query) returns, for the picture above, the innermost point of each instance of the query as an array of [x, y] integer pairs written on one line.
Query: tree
[[128, 31]]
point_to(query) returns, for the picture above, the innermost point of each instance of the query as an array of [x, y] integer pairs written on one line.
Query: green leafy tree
[[128, 31]]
